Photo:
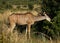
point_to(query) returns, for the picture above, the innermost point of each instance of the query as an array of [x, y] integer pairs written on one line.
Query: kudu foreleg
[[28, 31]]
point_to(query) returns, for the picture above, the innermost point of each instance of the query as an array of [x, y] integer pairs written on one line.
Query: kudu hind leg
[[12, 26]]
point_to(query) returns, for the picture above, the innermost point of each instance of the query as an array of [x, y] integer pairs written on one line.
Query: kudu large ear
[[44, 13]]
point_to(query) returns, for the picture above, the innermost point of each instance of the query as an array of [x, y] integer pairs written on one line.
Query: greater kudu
[[26, 18]]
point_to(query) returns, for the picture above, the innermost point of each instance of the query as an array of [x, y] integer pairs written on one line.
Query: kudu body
[[26, 18]]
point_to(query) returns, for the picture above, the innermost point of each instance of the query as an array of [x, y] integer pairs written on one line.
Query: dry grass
[[16, 37]]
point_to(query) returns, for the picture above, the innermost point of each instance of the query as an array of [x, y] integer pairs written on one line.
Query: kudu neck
[[39, 18]]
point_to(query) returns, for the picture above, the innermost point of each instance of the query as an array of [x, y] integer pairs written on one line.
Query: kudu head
[[47, 17]]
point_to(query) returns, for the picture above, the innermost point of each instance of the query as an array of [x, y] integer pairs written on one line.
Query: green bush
[[8, 6], [30, 6]]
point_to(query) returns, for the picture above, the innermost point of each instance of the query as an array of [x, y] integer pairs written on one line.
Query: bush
[[8, 6], [30, 6]]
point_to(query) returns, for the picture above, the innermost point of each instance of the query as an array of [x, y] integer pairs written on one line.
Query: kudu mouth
[[49, 19]]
